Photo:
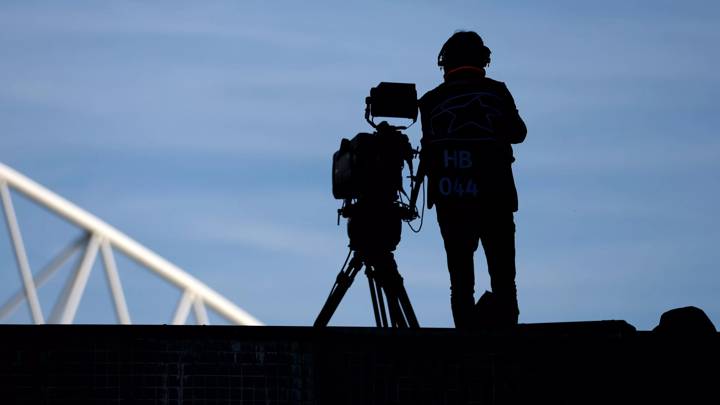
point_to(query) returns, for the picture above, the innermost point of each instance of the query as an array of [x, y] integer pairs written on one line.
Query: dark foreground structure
[[572, 363]]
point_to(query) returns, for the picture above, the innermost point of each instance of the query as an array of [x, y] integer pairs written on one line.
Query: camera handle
[[370, 119]]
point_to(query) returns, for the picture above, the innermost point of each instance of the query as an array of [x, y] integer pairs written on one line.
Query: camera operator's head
[[464, 48]]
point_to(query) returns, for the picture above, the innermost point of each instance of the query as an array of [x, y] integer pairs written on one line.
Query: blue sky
[[205, 132]]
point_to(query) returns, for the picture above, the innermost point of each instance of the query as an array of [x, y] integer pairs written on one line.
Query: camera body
[[370, 164], [367, 171]]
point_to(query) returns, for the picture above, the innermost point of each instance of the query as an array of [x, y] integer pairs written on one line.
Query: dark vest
[[469, 123]]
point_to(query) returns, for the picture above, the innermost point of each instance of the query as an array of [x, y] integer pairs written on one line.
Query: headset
[[464, 48]]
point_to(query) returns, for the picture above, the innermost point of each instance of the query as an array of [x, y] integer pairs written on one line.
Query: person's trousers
[[463, 226]]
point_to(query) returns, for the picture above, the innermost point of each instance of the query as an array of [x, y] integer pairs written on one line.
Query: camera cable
[[422, 213]]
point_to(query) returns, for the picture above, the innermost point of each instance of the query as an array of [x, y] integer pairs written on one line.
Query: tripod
[[383, 279], [367, 175]]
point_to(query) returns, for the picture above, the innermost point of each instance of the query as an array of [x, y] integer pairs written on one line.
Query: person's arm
[[514, 129]]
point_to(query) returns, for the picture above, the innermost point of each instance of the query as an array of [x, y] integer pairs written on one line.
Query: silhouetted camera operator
[[469, 123]]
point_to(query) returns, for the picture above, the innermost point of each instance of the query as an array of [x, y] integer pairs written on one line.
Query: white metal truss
[[100, 238]]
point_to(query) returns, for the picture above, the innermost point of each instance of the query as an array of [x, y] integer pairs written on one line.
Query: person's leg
[[462, 285], [498, 240], [461, 240]]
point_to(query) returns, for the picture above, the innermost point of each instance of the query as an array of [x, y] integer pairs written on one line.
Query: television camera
[[367, 174]]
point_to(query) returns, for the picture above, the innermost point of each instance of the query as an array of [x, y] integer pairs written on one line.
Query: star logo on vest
[[470, 114]]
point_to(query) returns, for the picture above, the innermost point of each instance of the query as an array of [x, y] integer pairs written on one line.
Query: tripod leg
[[402, 302], [374, 298], [396, 314], [407, 308], [378, 300], [381, 304], [342, 283], [401, 310], [385, 288]]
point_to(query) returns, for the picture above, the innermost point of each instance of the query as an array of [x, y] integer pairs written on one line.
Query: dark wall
[[594, 362]]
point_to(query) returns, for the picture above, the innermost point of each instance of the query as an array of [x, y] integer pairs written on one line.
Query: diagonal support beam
[[43, 275], [66, 307], [201, 316], [121, 310], [21, 256], [183, 308]]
